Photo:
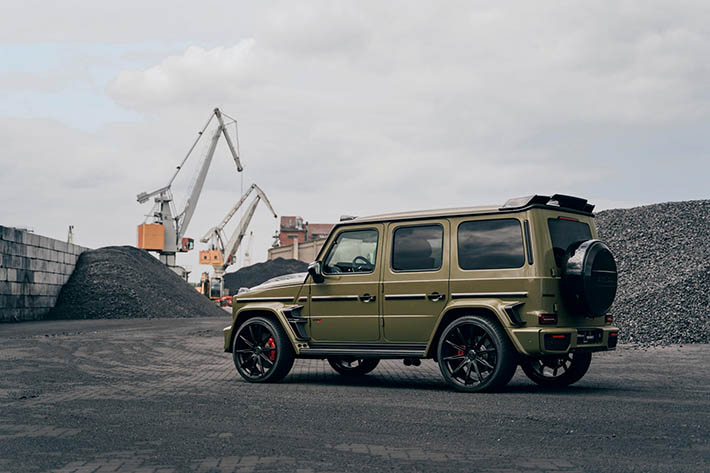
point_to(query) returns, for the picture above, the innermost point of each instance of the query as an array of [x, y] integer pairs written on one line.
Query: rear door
[[415, 279]]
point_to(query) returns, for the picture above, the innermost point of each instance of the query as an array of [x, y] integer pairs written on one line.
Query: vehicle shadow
[[520, 385]]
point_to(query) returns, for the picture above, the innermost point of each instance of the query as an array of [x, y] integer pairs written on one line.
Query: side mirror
[[314, 269]]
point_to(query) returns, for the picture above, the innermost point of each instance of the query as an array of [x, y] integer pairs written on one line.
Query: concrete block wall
[[33, 269]]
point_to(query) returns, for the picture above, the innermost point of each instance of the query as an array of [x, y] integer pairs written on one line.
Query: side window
[[417, 248], [490, 244], [353, 252]]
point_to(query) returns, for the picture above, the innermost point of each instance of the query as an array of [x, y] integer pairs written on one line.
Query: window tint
[[565, 232], [353, 252], [490, 244], [417, 248]]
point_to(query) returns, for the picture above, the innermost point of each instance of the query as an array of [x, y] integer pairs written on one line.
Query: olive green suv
[[480, 290]]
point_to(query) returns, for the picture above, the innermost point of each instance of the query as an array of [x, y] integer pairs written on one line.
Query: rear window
[[491, 244], [417, 248], [565, 232]]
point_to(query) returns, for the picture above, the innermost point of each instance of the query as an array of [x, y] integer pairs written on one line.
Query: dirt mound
[[256, 274], [664, 271], [125, 282]]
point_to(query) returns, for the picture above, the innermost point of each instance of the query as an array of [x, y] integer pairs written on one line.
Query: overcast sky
[[347, 107]]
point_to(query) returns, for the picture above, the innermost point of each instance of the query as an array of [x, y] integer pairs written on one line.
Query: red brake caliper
[[270, 344]]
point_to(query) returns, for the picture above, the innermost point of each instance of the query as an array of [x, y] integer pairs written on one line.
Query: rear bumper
[[559, 340]]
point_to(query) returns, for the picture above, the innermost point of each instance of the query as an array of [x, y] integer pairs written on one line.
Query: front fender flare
[[272, 308]]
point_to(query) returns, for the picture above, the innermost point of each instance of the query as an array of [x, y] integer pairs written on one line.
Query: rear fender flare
[[493, 307]]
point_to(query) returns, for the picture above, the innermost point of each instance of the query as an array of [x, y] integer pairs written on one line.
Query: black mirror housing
[[314, 269]]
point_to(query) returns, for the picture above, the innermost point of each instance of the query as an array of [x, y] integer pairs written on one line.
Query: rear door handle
[[435, 297], [367, 298]]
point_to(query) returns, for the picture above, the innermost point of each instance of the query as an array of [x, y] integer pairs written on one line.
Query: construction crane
[[166, 233], [220, 252]]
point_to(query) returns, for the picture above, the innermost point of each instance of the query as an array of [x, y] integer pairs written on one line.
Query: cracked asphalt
[[160, 396]]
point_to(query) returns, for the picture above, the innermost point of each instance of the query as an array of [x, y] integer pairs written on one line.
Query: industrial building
[[299, 240]]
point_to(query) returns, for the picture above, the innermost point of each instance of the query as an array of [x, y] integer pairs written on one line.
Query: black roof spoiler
[[557, 200]]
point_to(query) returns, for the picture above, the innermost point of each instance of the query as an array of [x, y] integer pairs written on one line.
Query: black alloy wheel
[[475, 354], [557, 371], [351, 366], [261, 351]]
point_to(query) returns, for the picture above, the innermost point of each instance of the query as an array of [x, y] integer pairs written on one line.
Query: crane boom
[[191, 204], [218, 228], [228, 139]]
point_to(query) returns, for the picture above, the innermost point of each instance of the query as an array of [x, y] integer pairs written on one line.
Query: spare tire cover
[[589, 278]]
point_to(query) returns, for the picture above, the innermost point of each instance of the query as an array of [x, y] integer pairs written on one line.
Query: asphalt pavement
[[160, 395]]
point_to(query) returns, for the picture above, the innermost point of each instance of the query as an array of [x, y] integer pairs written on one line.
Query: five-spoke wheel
[[557, 371], [474, 354], [351, 366], [262, 351]]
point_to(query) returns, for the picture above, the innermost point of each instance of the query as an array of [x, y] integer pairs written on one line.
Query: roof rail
[[557, 200]]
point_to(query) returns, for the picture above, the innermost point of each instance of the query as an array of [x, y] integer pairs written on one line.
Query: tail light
[[547, 319], [609, 319], [613, 339]]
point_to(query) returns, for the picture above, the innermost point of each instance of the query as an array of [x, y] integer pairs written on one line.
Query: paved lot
[[160, 395]]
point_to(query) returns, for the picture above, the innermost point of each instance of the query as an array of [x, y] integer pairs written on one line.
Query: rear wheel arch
[[456, 313]]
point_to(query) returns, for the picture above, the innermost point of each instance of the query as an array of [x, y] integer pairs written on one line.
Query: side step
[[320, 350]]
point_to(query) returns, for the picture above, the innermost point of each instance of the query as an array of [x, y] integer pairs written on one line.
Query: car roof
[[559, 202], [424, 214]]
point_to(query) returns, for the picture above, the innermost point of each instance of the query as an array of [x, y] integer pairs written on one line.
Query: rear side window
[[563, 233], [491, 244], [417, 248]]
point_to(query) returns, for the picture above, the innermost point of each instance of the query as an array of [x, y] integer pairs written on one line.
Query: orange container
[[151, 236], [211, 257]]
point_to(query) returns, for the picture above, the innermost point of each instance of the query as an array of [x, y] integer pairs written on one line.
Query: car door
[[415, 279], [345, 306]]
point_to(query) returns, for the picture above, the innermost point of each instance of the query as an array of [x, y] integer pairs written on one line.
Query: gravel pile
[[256, 274], [663, 257], [125, 282]]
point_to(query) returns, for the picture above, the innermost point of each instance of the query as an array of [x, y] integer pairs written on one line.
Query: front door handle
[[367, 298], [435, 297]]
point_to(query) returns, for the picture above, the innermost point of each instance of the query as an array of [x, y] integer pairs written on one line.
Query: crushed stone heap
[[125, 282], [256, 274], [663, 258]]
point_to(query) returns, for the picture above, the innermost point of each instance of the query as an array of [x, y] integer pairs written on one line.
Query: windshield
[[564, 232]]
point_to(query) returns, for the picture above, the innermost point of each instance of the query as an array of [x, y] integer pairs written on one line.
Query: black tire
[[589, 278], [261, 351], [350, 366], [557, 371], [474, 345]]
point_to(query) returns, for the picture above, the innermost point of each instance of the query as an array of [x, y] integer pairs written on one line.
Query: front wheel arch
[[246, 314]]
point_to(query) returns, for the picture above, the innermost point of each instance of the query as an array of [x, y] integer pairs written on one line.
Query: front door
[[345, 306], [415, 279]]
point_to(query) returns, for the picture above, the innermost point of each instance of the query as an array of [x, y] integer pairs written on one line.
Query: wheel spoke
[[485, 363], [251, 332], [454, 357], [460, 335], [459, 366], [478, 372], [245, 350], [249, 344], [554, 372], [468, 372], [454, 345], [266, 358]]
